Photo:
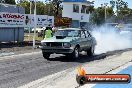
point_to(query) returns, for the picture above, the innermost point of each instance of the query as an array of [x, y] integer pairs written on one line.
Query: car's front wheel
[[73, 55], [76, 53], [46, 55]]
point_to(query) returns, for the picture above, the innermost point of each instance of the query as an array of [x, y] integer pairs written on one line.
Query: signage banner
[[12, 20], [41, 20], [50, 20], [24, 20]]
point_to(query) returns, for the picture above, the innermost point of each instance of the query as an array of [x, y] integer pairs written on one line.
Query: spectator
[[48, 32]]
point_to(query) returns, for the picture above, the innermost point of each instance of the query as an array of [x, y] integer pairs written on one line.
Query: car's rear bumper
[[58, 50]]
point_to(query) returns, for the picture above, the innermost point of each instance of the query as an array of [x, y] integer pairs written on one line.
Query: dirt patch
[[18, 48]]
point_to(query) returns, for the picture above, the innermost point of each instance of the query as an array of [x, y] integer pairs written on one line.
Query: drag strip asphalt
[[17, 70]]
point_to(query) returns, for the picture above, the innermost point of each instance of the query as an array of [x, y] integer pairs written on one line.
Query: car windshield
[[67, 33]]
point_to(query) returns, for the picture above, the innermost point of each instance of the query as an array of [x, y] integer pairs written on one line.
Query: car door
[[88, 40], [82, 40]]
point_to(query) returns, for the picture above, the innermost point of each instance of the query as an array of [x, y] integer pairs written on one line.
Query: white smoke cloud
[[109, 39]]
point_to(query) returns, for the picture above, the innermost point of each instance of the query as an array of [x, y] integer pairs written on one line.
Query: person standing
[[48, 32]]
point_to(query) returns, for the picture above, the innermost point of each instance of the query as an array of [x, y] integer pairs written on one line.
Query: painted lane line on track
[[46, 80], [14, 56], [6, 54]]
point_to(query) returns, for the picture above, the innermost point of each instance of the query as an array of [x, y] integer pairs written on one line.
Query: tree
[[10, 2], [91, 8], [49, 9], [57, 8], [41, 8], [25, 4], [119, 5], [98, 16], [121, 9], [126, 15]]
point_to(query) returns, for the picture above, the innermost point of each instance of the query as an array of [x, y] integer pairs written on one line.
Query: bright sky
[[99, 2]]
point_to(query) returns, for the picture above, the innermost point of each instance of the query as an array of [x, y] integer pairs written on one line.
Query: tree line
[[48, 7], [118, 10]]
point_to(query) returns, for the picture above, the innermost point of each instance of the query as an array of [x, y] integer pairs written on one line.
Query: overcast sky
[[99, 2]]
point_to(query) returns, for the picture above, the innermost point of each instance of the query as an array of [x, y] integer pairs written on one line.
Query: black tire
[[46, 55], [90, 52], [73, 55]]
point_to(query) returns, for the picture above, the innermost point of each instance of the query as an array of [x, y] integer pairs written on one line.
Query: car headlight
[[43, 43], [67, 45]]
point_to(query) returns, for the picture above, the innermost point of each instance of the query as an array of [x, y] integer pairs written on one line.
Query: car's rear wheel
[[90, 52], [46, 55]]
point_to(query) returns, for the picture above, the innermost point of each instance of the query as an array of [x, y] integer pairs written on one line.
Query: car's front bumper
[[58, 50]]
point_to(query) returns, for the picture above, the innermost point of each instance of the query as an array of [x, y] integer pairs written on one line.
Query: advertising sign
[[63, 21], [12, 20], [24, 20], [50, 20], [41, 20]]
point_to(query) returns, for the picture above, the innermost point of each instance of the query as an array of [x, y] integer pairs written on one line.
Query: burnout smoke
[[109, 39]]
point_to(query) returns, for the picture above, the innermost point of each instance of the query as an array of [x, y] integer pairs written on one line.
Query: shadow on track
[[85, 58]]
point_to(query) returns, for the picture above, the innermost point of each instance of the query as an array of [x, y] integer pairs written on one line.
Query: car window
[[83, 34], [87, 34], [73, 33], [67, 33]]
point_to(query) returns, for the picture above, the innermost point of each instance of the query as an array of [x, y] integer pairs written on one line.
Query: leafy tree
[[10, 2], [57, 8], [91, 8], [126, 15], [121, 9], [98, 16], [119, 5], [49, 9], [25, 4], [41, 8]]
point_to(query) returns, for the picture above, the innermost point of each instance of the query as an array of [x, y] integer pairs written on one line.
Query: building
[[78, 10], [9, 34]]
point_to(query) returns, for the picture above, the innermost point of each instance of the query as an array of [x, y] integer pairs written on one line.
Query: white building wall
[[68, 11]]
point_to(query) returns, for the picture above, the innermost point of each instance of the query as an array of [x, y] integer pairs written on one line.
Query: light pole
[[34, 24], [105, 11], [30, 19]]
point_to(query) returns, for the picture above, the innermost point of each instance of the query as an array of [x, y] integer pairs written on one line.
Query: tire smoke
[[110, 39]]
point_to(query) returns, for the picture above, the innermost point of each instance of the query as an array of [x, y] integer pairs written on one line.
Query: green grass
[[27, 38]]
